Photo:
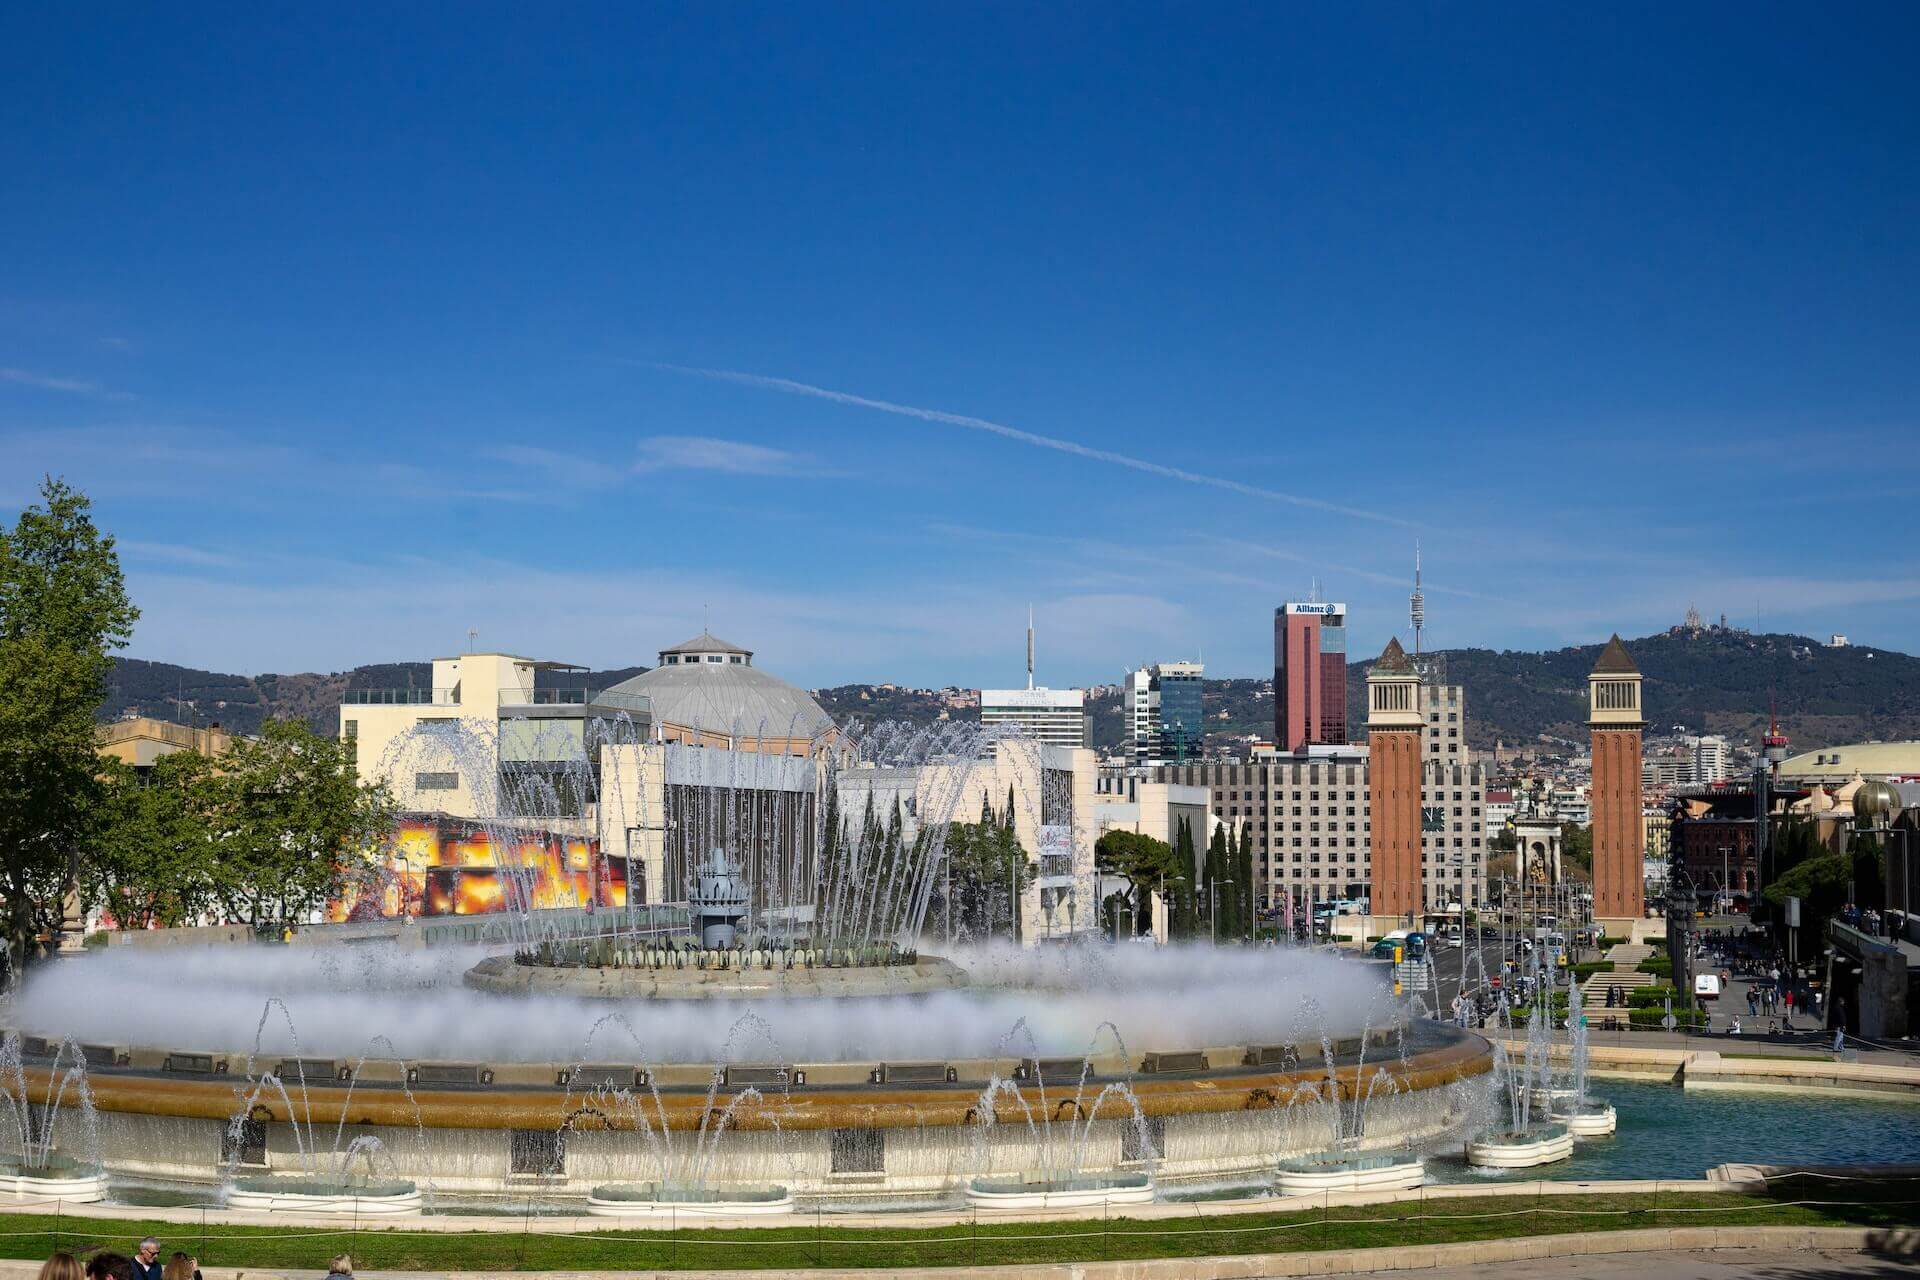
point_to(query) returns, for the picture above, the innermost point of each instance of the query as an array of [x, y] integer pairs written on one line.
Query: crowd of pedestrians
[[145, 1264]]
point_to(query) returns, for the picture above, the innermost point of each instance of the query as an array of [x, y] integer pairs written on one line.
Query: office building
[[1712, 761], [1164, 719], [1056, 717], [1309, 675], [1311, 817]]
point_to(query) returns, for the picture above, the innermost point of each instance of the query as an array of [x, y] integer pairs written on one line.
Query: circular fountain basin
[[651, 1200], [325, 1197], [1089, 1192], [55, 1178], [1588, 1119], [1338, 1171], [1520, 1150]]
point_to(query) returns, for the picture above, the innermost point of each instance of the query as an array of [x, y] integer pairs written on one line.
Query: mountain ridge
[[1708, 679]]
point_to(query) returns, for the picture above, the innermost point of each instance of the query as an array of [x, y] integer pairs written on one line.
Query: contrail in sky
[[790, 387]]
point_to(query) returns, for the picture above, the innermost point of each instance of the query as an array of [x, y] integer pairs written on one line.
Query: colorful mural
[[436, 865]]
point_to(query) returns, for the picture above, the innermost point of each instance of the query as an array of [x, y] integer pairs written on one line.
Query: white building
[[1162, 705], [1711, 759], [1056, 717]]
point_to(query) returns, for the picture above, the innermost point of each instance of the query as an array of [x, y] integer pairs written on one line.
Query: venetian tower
[[1619, 853], [1394, 726]]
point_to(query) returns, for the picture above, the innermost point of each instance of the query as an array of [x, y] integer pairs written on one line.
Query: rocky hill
[[1708, 679]]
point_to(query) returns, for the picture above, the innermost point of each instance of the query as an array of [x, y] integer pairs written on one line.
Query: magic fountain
[[805, 1025]]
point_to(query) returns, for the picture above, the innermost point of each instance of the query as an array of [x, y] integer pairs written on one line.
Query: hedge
[[1657, 965], [1654, 1018], [1587, 968]]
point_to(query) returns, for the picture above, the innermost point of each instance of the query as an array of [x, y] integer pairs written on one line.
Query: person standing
[[146, 1261], [1753, 1003], [1787, 1004]]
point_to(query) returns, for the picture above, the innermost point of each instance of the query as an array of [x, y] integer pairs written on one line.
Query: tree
[[1216, 886], [1244, 874], [292, 823], [63, 609], [1148, 864], [1184, 922], [153, 855], [987, 873], [1576, 846]]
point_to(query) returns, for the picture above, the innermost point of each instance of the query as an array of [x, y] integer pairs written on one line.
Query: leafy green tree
[[63, 610], [1184, 922], [153, 855], [293, 823], [1244, 874], [987, 872], [1148, 864], [1576, 846], [1216, 886]]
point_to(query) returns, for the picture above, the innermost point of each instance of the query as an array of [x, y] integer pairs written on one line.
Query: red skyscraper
[[1309, 675]]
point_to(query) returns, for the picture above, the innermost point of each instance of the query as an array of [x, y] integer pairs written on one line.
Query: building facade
[[1164, 717], [1614, 718], [1056, 717], [1309, 675]]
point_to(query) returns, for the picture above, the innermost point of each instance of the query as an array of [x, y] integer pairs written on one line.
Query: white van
[[1706, 986]]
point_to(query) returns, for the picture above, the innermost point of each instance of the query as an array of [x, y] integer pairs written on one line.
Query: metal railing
[[401, 697], [543, 698]]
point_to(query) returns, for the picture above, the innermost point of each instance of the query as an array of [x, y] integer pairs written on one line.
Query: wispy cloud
[[66, 386], [553, 466], [706, 453], [789, 387], [175, 553]]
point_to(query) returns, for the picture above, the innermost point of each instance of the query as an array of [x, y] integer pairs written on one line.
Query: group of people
[[145, 1264]]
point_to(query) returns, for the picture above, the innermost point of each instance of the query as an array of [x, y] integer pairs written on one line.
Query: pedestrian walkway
[[1623, 977]]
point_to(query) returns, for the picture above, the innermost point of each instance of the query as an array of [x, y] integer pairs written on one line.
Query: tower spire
[[1417, 602], [1029, 646]]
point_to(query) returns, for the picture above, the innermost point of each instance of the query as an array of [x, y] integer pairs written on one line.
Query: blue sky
[[365, 328]]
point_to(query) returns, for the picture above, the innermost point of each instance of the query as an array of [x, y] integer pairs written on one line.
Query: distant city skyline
[[852, 333]]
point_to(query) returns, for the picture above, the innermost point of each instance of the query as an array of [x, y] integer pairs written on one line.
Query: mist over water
[[340, 998]]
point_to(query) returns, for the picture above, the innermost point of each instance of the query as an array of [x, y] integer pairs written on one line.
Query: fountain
[[1584, 1117], [1522, 1144], [318, 1183], [807, 894], [1347, 1164], [37, 1168]]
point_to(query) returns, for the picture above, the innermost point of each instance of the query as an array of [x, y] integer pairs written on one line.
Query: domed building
[[706, 692]]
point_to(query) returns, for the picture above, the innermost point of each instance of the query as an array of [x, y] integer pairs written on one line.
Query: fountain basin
[[325, 1196], [1089, 1192], [651, 1200], [1588, 1119], [1336, 1171], [55, 1178], [1520, 1150]]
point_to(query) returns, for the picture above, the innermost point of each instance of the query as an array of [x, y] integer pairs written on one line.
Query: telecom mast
[[1417, 602]]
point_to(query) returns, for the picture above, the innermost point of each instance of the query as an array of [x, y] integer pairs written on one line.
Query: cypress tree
[[1216, 888], [1248, 920]]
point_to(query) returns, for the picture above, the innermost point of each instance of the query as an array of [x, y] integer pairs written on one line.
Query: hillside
[[1710, 679]]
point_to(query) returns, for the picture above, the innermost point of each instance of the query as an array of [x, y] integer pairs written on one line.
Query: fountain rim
[[828, 1096]]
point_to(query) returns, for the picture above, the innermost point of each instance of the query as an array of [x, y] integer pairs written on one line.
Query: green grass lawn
[[806, 1243]]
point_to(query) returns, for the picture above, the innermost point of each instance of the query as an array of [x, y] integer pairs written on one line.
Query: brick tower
[[1619, 843], [1394, 727]]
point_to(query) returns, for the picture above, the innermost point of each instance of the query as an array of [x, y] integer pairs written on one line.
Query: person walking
[[1753, 1003], [1786, 1002]]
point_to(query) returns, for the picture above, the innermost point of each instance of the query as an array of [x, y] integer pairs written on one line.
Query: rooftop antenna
[[473, 634], [1417, 602], [1029, 646]]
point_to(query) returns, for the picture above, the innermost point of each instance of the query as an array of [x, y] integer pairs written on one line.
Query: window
[[736, 658], [714, 657], [536, 1153], [857, 1151], [1143, 1140], [436, 782], [245, 1144]]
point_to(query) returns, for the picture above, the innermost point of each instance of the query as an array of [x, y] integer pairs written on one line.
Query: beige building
[[1054, 818], [141, 741]]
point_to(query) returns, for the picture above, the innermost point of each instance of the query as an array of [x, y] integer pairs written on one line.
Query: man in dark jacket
[[146, 1261]]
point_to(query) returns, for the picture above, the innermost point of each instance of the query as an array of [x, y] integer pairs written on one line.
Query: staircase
[[1624, 976]]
